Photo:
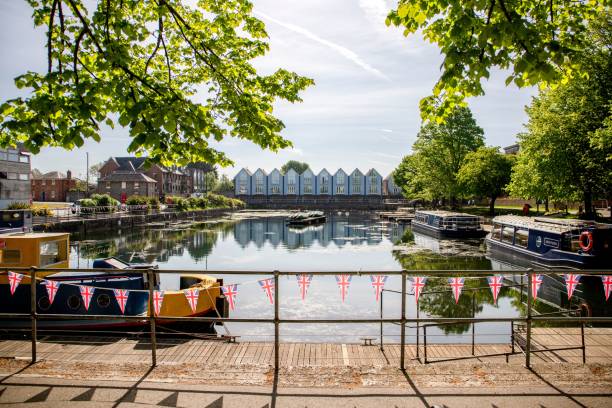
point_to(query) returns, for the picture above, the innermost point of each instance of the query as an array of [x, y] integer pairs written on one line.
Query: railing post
[[473, 325], [403, 323], [512, 334], [425, 343], [33, 311], [529, 301], [381, 317], [151, 280], [418, 332], [276, 323], [583, 343]]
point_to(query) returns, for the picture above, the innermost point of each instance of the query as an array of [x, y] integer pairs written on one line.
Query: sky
[[362, 113]]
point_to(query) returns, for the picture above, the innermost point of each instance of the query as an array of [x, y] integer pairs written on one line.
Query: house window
[[136, 184], [24, 177], [258, 188], [356, 183], [24, 159], [291, 189], [340, 189], [108, 185], [13, 155], [44, 182], [52, 193], [324, 189], [12, 176], [307, 185], [275, 178], [123, 185], [52, 182], [275, 189], [373, 184], [291, 179], [3, 155], [340, 179]]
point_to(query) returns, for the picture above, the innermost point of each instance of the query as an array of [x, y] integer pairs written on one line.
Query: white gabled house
[[242, 182], [391, 189], [373, 181], [340, 183], [307, 182], [259, 183], [324, 183], [357, 183], [291, 182], [275, 183]]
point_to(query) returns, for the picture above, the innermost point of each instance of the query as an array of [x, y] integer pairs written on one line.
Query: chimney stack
[[68, 174]]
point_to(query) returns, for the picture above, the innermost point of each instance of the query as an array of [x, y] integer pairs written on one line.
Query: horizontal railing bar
[[557, 349]]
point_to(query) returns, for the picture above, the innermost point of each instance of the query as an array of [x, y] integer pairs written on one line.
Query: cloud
[[376, 10], [343, 51], [390, 156], [386, 130]]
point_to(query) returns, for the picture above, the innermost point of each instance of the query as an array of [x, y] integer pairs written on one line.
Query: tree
[[225, 185], [211, 180], [406, 176], [439, 152], [541, 41], [565, 144], [94, 170], [299, 167], [177, 76], [485, 172]]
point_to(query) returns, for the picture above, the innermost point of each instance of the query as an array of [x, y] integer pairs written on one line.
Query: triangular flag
[[230, 292], [607, 285], [343, 282], [52, 288], [571, 281], [122, 297], [536, 282], [378, 283], [86, 293], [495, 283], [192, 296], [268, 286], [418, 283], [456, 286], [14, 280], [158, 299], [304, 281]]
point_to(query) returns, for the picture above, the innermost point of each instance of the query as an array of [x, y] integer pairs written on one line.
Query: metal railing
[[402, 321]]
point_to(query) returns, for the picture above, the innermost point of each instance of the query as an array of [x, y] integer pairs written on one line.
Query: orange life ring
[[586, 247]]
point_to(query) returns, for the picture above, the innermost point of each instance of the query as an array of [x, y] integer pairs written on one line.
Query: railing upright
[[151, 279], [418, 332], [403, 323], [425, 343], [583, 343], [33, 311], [381, 323], [473, 325], [529, 301], [276, 322]]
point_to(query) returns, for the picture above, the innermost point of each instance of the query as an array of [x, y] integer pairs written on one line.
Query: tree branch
[[62, 29], [161, 27], [161, 35], [502, 5], [50, 44]]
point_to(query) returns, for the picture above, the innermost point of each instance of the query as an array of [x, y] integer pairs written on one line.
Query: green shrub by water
[[210, 200]]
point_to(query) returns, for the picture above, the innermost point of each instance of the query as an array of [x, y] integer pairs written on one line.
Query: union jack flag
[[230, 291], [571, 281], [122, 297], [378, 283], [607, 284], [456, 286], [343, 282], [52, 288], [304, 280], [268, 286], [418, 283], [86, 293], [536, 282], [158, 299], [192, 296], [14, 280], [495, 283]]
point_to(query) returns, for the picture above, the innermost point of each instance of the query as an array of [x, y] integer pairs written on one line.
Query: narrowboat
[[551, 242], [306, 218], [447, 224], [21, 251]]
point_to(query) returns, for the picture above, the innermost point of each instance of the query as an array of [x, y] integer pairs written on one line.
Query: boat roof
[[442, 213], [34, 235], [558, 225]]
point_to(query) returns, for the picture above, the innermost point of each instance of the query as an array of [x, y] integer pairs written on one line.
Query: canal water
[[346, 242]]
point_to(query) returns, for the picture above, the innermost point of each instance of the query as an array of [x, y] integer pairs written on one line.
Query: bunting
[[571, 281], [86, 293], [14, 280], [192, 296], [418, 283], [343, 282], [158, 300], [304, 281], [52, 288], [456, 285], [495, 283], [121, 295], [607, 285], [378, 283], [536, 282], [268, 286], [230, 292]]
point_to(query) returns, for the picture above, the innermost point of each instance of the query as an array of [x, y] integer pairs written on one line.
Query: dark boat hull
[[307, 221], [442, 233]]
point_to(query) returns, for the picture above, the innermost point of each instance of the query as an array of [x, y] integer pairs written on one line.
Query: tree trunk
[[492, 205], [546, 204], [588, 205]]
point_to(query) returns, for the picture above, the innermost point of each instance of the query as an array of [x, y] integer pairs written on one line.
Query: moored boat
[[552, 242], [448, 224], [306, 218]]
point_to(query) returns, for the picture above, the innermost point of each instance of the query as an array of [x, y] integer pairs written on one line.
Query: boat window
[[507, 234], [103, 300], [496, 233], [44, 304], [74, 302], [521, 237], [10, 256], [52, 252]]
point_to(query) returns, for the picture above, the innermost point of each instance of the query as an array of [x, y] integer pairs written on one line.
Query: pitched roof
[[129, 163], [128, 176], [51, 175]]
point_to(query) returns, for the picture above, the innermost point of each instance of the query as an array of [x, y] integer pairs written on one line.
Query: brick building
[[122, 184], [15, 171], [52, 186]]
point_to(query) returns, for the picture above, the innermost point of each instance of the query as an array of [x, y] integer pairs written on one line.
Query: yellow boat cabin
[[34, 249]]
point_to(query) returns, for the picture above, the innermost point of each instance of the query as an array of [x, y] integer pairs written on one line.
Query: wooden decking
[[123, 350]]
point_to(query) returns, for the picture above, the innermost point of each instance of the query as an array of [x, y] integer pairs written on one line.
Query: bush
[[137, 200], [210, 200], [42, 212], [19, 206]]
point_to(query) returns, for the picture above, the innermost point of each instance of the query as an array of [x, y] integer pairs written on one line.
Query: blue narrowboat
[[551, 242], [447, 224]]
